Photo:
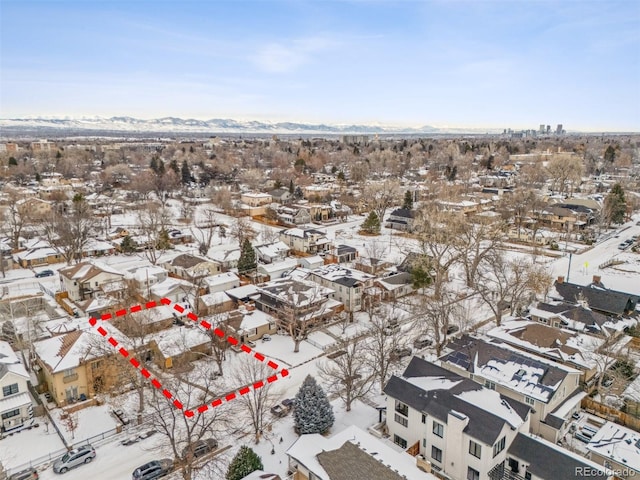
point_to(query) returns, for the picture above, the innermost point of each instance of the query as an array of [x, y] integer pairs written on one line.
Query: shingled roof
[[350, 463], [601, 299], [443, 391]]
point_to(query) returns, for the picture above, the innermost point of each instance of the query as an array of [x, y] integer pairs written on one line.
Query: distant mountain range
[[216, 125]]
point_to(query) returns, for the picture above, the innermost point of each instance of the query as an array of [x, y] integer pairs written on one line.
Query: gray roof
[[601, 299], [549, 463], [467, 348], [483, 425], [350, 463], [403, 212]]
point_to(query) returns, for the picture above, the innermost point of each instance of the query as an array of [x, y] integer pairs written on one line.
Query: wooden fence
[[610, 413]]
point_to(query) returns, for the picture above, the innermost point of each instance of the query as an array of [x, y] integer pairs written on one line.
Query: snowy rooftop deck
[[617, 443]]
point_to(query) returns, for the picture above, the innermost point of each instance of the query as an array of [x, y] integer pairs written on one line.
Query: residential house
[[534, 458], [395, 285], [35, 207], [551, 390], [291, 300], [309, 240], [372, 266], [255, 203], [74, 367], [97, 248], [249, 324], [191, 267], [280, 195], [347, 284], [179, 345], [175, 289], [148, 321], [351, 454], [571, 348], [36, 256], [597, 296], [318, 212], [616, 448], [213, 303], [277, 269], [293, 215], [401, 219], [83, 280], [146, 277], [221, 282], [228, 259], [16, 408], [460, 428], [342, 254], [272, 252], [314, 261]]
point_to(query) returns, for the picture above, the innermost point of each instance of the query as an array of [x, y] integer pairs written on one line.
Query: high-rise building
[[559, 129], [548, 129], [542, 128]]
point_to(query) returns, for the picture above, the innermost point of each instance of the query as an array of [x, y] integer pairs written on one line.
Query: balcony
[[70, 378]]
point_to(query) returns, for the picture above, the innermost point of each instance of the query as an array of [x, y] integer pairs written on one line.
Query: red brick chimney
[[597, 279], [560, 280]]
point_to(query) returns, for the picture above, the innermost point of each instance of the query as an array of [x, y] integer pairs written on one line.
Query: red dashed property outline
[[93, 321]]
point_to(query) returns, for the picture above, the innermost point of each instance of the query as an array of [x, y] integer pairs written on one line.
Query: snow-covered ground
[[27, 445]]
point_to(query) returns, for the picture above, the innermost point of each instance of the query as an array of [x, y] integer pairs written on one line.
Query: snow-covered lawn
[[91, 421], [27, 445]]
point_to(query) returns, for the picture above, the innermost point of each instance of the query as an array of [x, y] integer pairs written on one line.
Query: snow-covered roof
[[275, 267], [307, 447], [335, 272], [169, 285], [254, 319], [273, 249], [177, 340], [617, 443], [221, 279], [492, 402], [216, 298], [9, 361], [87, 270], [69, 351]]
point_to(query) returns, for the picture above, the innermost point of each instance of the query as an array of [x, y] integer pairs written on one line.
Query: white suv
[[73, 458]]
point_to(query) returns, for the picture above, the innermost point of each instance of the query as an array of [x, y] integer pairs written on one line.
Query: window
[[475, 449], [472, 474], [10, 390], [438, 429], [529, 401], [436, 454], [402, 408], [498, 447], [489, 384], [69, 372], [424, 443], [401, 420], [424, 418], [400, 441], [11, 413]]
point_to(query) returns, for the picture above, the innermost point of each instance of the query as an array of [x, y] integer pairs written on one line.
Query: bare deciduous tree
[[382, 340], [348, 376], [69, 232], [153, 220], [242, 229], [258, 401]]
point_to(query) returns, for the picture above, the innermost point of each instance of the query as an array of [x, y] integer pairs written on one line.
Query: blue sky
[[446, 63]]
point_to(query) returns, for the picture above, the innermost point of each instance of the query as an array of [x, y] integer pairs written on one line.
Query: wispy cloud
[[280, 57]]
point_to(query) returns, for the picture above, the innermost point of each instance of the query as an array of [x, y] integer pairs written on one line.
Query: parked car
[[137, 437], [283, 408], [575, 416], [74, 458], [120, 415], [28, 474], [266, 338], [250, 344], [45, 273], [452, 329], [200, 447], [422, 342], [400, 352], [152, 470]]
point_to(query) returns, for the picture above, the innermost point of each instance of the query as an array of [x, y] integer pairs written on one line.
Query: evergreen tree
[[245, 462], [163, 240], [153, 165], [312, 411], [161, 168], [38, 177], [372, 224], [341, 176], [291, 187], [610, 154], [408, 200], [174, 166], [128, 245], [247, 261], [186, 174], [615, 205], [298, 193], [13, 162]]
